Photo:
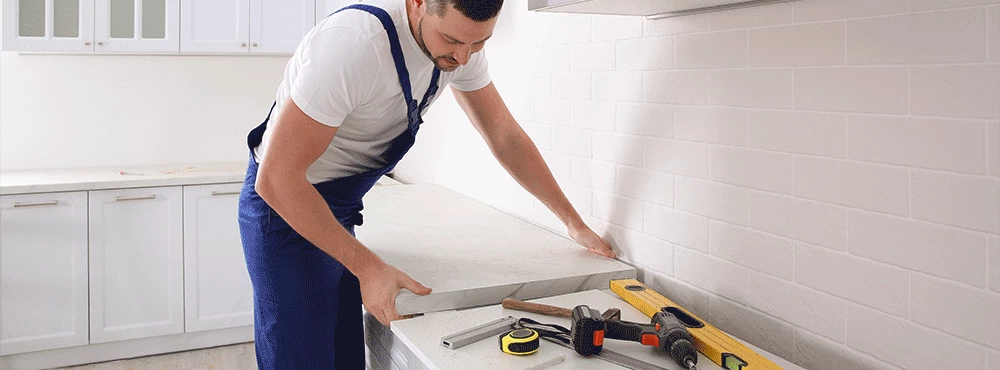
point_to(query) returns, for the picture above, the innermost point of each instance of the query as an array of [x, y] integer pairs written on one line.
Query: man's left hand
[[588, 238]]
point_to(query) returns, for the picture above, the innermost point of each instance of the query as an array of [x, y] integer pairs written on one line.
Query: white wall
[[71, 111], [818, 177]]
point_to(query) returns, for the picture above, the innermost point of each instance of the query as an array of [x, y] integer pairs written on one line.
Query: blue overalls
[[307, 305]]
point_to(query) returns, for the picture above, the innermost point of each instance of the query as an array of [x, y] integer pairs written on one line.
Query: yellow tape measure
[[519, 342]]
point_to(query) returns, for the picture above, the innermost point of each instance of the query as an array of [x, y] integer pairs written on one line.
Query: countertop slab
[[472, 254], [422, 335], [102, 178]]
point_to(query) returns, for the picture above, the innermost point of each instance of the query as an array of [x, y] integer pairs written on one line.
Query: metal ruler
[[615, 357]]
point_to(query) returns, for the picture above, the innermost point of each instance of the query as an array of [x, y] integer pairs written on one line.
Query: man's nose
[[462, 54]]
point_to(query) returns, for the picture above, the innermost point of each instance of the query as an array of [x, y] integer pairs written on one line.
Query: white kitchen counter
[[422, 336], [47, 181], [471, 254], [100, 178]]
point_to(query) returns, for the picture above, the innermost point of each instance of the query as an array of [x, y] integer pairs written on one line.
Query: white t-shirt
[[343, 75]]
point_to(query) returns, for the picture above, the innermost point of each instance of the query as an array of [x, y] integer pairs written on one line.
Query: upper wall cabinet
[[137, 25], [255, 26], [48, 25], [650, 8], [160, 26], [326, 7]]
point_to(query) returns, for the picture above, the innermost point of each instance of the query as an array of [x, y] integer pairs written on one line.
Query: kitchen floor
[[237, 357]]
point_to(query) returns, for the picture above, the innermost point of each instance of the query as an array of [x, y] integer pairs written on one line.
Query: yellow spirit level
[[710, 341]]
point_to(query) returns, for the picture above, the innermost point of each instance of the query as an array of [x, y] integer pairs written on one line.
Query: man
[[347, 110]]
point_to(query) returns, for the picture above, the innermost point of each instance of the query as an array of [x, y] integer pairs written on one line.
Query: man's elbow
[[266, 186], [510, 142]]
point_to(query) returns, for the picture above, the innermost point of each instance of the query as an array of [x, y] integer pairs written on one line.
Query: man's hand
[[379, 288], [588, 238]]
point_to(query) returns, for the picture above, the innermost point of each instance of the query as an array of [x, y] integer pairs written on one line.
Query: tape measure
[[519, 341]]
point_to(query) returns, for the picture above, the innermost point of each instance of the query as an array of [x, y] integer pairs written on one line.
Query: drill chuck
[[678, 341]]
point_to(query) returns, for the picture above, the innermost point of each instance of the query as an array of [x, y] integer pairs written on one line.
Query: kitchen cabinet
[[137, 26], [43, 271], [253, 26], [136, 263], [652, 9], [277, 26], [48, 25], [217, 290], [326, 7]]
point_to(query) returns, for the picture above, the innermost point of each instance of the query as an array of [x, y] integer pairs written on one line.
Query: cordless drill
[[665, 332]]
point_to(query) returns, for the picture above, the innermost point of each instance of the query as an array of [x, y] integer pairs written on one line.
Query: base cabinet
[[43, 272], [217, 290], [136, 263]]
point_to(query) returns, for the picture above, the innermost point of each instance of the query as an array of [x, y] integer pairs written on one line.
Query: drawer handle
[[218, 193], [39, 204], [123, 199]]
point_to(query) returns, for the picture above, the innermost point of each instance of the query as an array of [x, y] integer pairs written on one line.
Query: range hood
[[652, 9]]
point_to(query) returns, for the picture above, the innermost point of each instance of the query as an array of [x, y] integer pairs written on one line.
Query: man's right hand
[[379, 288]]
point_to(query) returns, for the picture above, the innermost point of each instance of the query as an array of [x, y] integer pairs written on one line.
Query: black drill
[[665, 332]]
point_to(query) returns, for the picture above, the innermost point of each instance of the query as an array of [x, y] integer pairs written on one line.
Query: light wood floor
[[236, 357]]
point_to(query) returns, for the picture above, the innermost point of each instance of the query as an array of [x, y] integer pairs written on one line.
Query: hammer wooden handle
[[538, 308]]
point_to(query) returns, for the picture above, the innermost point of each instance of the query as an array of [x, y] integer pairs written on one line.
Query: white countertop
[[423, 334], [98, 178], [47, 181], [472, 254]]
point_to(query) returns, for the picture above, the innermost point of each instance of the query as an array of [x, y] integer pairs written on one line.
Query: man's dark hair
[[477, 10]]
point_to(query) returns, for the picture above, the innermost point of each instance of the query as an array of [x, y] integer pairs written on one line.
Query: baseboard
[[102, 352]]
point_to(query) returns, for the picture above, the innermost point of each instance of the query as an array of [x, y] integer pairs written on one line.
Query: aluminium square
[[471, 335]]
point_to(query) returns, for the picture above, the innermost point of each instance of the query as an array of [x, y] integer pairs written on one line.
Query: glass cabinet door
[[48, 25], [137, 25]]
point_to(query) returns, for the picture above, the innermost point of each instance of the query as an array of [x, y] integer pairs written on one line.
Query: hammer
[[544, 309]]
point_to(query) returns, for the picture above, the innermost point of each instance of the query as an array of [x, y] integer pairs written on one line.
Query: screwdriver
[[676, 340], [665, 332]]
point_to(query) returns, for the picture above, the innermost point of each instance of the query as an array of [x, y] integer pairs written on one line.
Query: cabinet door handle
[[243, 45], [38, 204], [218, 193], [123, 199], [255, 44], [87, 43]]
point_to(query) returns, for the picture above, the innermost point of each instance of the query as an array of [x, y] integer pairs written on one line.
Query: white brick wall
[[820, 178]]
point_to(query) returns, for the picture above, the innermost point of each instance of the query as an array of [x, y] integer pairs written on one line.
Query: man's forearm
[[521, 159], [305, 210]]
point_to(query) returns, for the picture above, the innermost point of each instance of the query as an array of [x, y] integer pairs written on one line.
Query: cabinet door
[[217, 291], [326, 7], [137, 25], [216, 26], [48, 25], [277, 26], [136, 263], [43, 271]]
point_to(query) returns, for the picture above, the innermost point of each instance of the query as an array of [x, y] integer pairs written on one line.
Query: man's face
[[451, 39]]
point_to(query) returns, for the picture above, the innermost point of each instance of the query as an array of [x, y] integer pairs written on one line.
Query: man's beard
[[441, 62]]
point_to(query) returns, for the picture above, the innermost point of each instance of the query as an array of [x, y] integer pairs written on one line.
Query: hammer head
[[587, 330]]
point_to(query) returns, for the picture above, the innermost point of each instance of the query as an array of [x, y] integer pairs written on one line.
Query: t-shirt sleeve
[[474, 75], [336, 70]]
